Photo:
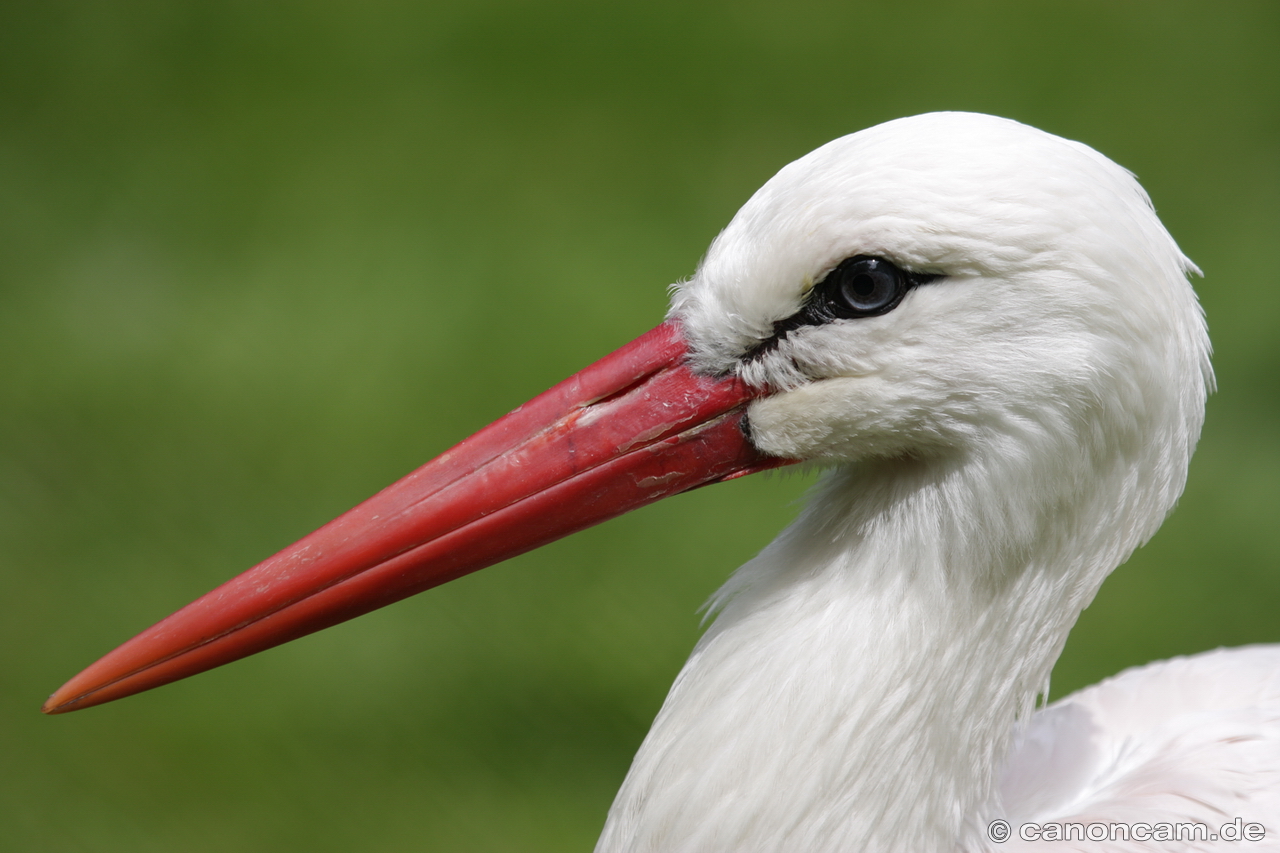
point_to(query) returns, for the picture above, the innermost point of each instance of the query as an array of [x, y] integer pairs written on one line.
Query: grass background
[[257, 260]]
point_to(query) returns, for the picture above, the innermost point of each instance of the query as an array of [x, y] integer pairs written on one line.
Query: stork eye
[[863, 287]]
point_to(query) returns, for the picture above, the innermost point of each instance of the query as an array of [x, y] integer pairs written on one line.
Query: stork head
[[945, 286], [944, 282]]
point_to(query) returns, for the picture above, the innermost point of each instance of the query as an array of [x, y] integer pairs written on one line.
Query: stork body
[[987, 335]]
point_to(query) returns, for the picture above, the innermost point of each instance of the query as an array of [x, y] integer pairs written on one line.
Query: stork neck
[[863, 680]]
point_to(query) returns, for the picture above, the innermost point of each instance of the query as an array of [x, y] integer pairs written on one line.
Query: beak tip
[[57, 705], [75, 695], [66, 698], [65, 701]]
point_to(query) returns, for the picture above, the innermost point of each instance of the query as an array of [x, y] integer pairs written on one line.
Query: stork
[[986, 335]]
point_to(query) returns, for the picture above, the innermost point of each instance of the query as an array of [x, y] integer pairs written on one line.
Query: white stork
[[986, 334]]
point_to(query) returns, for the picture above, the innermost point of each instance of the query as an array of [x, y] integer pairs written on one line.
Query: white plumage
[[1004, 438], [1185, 740]]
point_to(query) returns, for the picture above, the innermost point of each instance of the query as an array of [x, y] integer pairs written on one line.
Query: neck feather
[[864, 678]]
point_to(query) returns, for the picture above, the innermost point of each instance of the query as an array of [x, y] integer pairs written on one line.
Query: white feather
[[1189, 740], [1002, 440]]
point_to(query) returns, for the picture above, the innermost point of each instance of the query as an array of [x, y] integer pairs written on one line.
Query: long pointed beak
[[634, 427]]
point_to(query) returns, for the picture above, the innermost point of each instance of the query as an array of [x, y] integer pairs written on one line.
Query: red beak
[[636, 426]]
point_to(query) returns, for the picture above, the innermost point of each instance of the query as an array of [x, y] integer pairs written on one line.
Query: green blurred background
[[260, 259]]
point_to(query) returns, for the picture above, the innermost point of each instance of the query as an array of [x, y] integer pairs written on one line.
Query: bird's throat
[[861, 685]]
